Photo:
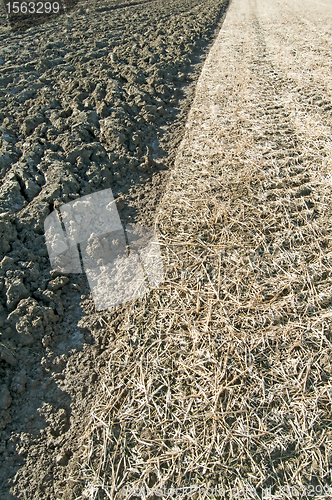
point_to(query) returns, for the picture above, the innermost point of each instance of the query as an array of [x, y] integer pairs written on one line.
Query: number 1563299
[[33, 7]]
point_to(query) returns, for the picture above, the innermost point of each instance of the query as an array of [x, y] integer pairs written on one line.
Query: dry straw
[[222, 375]]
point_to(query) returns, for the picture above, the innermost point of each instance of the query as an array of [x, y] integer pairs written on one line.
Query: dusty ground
[[94, 99]]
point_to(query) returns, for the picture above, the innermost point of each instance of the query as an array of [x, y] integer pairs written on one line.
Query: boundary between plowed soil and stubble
[[52, 381], [221, 378]]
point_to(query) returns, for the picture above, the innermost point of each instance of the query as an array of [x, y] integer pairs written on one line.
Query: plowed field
[[217, 384]]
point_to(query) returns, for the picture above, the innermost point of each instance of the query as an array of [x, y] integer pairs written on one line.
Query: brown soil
[[93, 99]]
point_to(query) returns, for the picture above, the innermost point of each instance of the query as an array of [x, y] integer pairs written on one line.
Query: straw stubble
[[222, 375]]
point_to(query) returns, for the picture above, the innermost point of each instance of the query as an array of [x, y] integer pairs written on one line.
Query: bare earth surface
[[220, 379], [91, 100]]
